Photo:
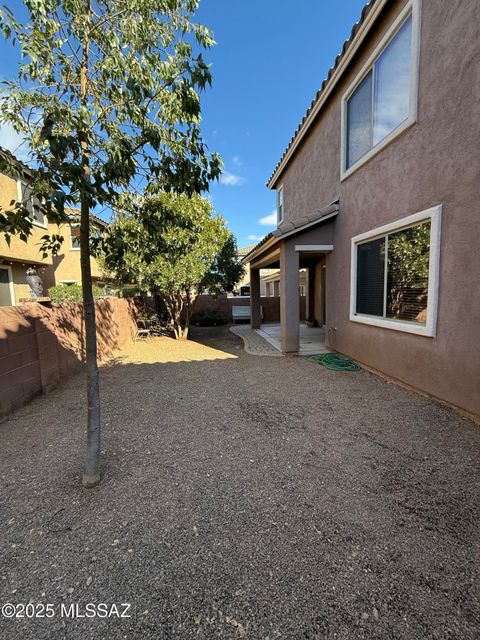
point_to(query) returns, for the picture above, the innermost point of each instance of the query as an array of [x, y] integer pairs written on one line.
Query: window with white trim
[[75, 236], [395, 274], [382, 100], [280, 208], [32, 204]]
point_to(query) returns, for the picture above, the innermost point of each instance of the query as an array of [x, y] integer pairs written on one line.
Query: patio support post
[[255, 319], [289, 298], [310, 313]]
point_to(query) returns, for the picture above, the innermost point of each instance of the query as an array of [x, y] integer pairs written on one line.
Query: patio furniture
[[242, 312], [140, 331]]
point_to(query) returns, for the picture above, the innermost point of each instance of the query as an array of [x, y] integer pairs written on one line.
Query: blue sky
[[270, 59]]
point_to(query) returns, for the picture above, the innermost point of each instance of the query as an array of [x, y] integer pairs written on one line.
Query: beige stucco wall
[[27, 252], [19, 255], [66, 265], [433, 162]]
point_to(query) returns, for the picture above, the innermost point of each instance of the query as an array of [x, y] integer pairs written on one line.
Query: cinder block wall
[[39, 347]]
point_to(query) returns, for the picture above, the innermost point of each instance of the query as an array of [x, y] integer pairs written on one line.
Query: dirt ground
[[241, 496]]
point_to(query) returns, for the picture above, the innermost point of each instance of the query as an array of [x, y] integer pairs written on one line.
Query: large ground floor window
[[395, 274]]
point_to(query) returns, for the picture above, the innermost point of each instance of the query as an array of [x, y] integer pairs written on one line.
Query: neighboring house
[[378, 199], [270, 282], [16, 258], [266, 276], [243, 286], [66, 264]]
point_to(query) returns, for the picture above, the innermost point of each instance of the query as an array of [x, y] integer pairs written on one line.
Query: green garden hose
[[336, 362]]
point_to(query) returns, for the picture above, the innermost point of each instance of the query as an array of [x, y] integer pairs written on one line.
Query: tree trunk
[[189, 303], [91, 475]]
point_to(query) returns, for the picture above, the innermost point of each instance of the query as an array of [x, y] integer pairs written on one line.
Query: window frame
[[413, 9], [429, 329], [24, 183], [11, 286], [72, 225], [280, 191]]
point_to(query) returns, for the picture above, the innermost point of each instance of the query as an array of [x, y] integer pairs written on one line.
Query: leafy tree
[[167, 245], [408, 263], [106, 92], [225, 271]]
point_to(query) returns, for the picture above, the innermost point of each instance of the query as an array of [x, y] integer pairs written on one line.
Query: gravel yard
[[242, 496]]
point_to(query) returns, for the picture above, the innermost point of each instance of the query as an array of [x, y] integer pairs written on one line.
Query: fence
[[41, 346], [222, 304]]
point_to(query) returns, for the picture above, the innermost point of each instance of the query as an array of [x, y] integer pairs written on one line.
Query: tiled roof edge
[[346, 45]]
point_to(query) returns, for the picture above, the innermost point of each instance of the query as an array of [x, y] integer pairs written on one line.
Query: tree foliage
[[226, 270], [140, 114], [408, 266], [168, 245], [71, 293], [107, 92]]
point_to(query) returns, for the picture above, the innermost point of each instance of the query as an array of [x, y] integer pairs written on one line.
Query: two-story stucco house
[[64, 268], [378, 197]]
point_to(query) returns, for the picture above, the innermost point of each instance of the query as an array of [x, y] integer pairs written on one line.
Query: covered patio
[[305, 247], [311, 339]]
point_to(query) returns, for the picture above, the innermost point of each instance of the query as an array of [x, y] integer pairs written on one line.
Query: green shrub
[[129, 293], [71, 293], [210, 319]]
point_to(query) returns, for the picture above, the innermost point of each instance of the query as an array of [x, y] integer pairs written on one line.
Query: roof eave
[[342, 61], [331, 211], [263, 244]]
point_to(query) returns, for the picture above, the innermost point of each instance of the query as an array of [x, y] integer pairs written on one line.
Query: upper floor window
[[280, 208], [32, 204], [382, 100], [74, 236]]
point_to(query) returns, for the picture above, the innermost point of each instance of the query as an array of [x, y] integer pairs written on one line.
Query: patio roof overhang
[[307, 239]]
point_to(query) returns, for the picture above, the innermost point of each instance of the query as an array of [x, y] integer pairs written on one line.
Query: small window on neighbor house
[[75, 236], [32, 205], [392, 275], [280, 209], [381, 101]]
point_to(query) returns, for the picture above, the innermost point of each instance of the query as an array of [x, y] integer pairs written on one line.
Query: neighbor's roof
[[7, 159], [253, 247], [74, 212], [359, 30], [243, 251]]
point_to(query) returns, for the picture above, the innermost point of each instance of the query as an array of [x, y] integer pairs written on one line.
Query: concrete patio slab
[[254, 343], [312, 339]]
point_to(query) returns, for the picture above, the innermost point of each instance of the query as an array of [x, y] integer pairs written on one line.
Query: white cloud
[[11, 140], [270, 220], [230, 179], [252, 236], [237, 161]]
